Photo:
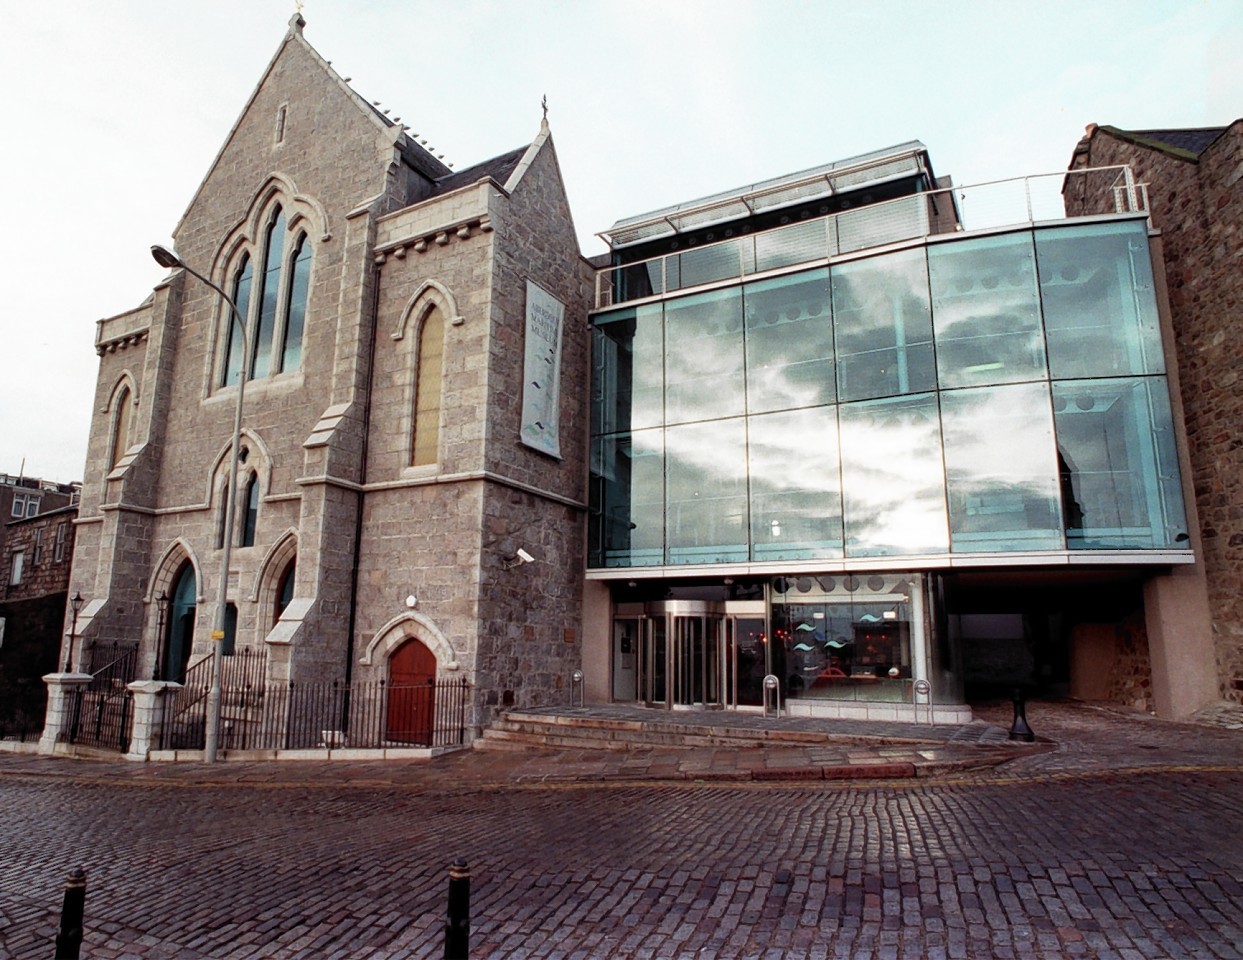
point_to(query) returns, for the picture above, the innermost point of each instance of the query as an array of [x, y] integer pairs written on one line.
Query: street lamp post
[[161, 602], [75, 605], [166, 258]]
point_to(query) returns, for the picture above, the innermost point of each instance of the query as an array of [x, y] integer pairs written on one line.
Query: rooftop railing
[[985, 206]]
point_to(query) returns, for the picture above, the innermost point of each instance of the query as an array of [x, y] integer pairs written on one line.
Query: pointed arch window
[[121, 425], [284, 591], [250, 520], [272, 301], [427, 388], [241, 296], [295, 304]]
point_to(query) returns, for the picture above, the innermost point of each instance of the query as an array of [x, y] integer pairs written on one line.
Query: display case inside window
[[851, 637]]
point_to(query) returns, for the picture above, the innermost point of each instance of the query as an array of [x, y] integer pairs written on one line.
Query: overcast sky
[[113, 111]]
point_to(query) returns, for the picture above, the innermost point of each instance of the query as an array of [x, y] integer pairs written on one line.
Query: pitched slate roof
[[1186, 144], [498, 168]]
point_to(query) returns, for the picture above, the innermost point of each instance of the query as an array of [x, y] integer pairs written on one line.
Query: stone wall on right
[[1194, 184]]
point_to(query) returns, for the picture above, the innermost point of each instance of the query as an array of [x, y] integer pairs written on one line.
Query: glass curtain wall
[[979, 395]]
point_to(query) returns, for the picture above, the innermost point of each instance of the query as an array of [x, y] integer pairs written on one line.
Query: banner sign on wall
[[541, 381]]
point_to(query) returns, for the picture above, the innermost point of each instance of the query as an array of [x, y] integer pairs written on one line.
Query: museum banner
[[541, 382]]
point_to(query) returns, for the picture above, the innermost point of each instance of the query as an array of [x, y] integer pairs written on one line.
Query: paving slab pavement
[[1072, 738]]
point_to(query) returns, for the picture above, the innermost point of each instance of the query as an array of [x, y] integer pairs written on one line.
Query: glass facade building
[[837, 430]]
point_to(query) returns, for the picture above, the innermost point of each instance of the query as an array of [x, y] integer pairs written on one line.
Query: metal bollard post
[[69, 940], [921, 688], [1019, 730], [457, 926], [772, 686], [577, 691]]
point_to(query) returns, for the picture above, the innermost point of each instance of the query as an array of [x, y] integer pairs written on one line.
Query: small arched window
[[250, 519], [427, 388], [284, 590], [121, 425], [275, 315]]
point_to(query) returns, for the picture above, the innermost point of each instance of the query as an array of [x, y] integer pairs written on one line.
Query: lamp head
[[164, 257]]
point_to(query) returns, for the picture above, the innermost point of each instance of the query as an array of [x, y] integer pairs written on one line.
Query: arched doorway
[[179, 631], [412, 694]]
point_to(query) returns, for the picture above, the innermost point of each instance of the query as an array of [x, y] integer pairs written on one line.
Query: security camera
[[524, 556]]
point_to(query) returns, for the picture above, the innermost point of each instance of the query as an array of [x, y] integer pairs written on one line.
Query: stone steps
[[518, 730]]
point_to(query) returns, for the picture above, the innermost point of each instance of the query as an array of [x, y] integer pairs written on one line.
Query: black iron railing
[[101, 718], [291, 716], [111, 665], [102, 711]]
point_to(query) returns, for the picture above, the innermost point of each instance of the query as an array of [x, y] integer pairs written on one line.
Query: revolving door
[[689, 654]]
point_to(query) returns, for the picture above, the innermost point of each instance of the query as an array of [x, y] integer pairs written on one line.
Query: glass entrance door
[[696, 659], [690, 653], [747, 658]]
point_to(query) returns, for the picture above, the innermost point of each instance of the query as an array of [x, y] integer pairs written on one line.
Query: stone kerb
[[151, 698], [60, 691]]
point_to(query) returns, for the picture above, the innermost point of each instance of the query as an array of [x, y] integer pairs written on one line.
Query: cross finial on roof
[[298, 5], [544, 104]]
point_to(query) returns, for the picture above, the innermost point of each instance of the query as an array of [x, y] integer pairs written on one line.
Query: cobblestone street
[[1051, 856]]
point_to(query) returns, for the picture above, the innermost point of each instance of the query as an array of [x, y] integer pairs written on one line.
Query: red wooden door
[[412, 694]]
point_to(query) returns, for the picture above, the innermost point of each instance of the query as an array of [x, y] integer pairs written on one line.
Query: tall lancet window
[[427, 388]]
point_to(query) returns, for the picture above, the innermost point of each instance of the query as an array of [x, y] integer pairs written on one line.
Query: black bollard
[[457, 926], [1019, 730], [69, 940]]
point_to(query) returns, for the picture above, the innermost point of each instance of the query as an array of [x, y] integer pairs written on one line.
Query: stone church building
[[391, 462]]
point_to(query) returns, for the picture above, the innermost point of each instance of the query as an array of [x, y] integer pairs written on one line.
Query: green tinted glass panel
[[883, 324], [789, 343], [795, 487], [1001, 468], [627, 500], [627, 370], [706, 493], [893, 479], [1118, 465], [1100, 311], [703, 359], [985, 311]]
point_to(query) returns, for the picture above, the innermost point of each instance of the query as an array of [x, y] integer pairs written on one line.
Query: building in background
[[35, 560], [1193, 179], [22, 497], [874, 437]]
